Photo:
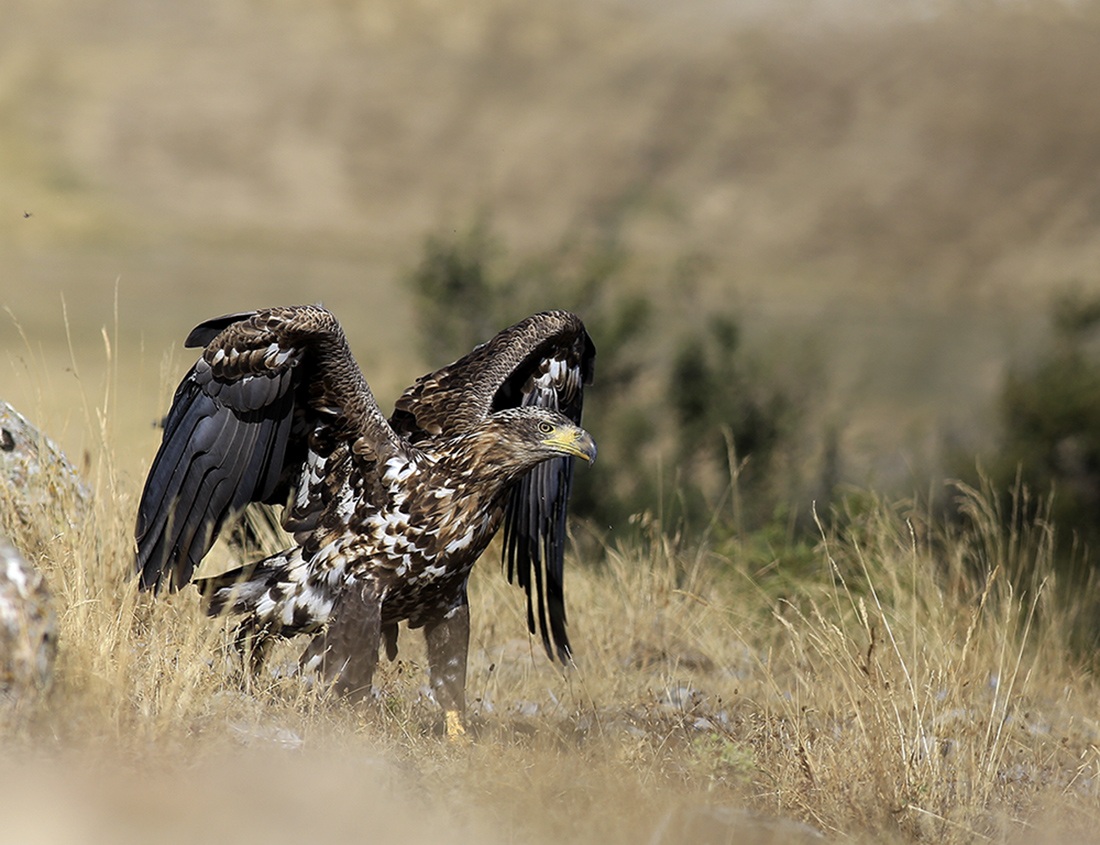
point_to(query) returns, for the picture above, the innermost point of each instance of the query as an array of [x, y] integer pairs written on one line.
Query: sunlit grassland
[[908, 686]]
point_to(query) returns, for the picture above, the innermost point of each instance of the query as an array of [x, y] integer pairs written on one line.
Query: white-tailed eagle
[[387, 516]]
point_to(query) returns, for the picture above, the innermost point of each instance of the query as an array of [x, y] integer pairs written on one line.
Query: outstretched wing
[[544, 360], [275, 397]]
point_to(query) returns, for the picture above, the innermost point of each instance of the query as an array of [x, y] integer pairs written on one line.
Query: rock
[[715, 825], [41, 493], [648, 655], [28, 628], [33, 464]]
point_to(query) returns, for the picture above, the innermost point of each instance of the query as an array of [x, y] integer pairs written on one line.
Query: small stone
[[717, 825]]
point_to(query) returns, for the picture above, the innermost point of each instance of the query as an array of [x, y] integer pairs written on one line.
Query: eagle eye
[[545, 427]]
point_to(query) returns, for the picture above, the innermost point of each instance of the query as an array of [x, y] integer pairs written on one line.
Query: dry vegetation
[[913, 688]]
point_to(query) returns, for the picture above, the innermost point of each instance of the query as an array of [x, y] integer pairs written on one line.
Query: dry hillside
[[895, 190]]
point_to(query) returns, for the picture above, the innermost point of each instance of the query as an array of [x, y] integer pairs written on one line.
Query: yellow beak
[[573, 441]]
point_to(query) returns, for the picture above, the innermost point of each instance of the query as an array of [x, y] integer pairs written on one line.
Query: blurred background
[[830, 251], [822, 244]]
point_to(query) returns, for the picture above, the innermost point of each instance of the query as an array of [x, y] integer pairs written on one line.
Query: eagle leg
[[252, 642], [448, 639], [346, 652], [389, 637]]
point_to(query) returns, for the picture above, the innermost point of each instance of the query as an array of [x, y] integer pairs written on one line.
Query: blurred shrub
[[677, 412], [1050, 416], [1046, 473], [728, 415]]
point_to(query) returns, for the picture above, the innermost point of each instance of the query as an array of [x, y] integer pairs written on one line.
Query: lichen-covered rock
[[41, 493], [32, 462], [28, 627], [41, 496]]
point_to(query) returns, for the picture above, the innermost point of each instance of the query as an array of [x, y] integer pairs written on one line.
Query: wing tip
[[207, 330]]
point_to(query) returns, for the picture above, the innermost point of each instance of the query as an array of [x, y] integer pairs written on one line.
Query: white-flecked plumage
[[388, 515]]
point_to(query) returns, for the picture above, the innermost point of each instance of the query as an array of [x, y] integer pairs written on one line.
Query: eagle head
[[532, 434]]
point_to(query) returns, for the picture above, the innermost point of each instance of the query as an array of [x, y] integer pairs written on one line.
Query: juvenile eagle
[[388, 516]]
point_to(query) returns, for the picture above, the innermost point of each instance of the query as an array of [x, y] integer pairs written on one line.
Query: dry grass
[[906, 692]]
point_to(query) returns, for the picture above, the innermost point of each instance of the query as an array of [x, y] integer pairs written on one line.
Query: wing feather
[[267, 381], [551, 347], [545, 360]]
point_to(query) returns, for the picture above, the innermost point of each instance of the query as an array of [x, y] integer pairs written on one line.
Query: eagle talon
[[454, 729]]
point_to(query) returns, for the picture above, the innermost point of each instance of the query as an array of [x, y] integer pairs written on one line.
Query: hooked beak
[[573, 441]]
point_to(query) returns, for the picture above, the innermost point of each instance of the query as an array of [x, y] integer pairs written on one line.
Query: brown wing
[[549, 353], [275, 394], [544, 360]]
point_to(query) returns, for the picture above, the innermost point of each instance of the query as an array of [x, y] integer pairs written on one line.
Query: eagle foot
[[252, 643], [454, 728]]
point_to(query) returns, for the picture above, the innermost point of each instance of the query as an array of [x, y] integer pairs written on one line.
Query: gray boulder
[[28, 627], [37, 482], [41, 496]]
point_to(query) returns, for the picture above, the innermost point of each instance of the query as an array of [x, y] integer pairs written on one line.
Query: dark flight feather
[[543, 361]]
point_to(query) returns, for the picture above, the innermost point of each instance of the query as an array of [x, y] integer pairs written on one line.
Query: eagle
[[387, 516]]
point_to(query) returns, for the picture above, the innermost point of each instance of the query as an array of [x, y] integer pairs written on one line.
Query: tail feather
[[276, 594], [239, 591]]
